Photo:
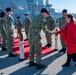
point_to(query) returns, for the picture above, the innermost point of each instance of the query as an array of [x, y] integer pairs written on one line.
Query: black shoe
[[66, 65], [3, 49], [75, 64], [21, 59], [31, 63], [26, 39], [40, 66], [48, 45], [12, 55], [0, 44], [63, 50]]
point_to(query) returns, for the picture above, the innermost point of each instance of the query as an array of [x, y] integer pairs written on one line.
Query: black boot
[[40, 66], [67, 64], [22, 59], [3, 49], [0, 44], [31, 63], [12, 55], [26, 39], [48, 45], [63, 50]]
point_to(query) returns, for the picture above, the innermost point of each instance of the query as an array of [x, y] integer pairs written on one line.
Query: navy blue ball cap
[[18, 16], [64, 10], [44, 10], [2, 14], [8, 9]]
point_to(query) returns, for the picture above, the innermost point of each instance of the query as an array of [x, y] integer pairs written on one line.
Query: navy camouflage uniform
[[62, 23], [19, 25], [50, 25], [34, 37], [2, 32], [9, 28], [27, 24]]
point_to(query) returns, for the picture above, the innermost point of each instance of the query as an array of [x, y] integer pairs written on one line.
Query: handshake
[[56, 32]]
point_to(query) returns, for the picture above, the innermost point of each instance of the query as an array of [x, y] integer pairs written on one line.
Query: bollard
[[21, 47], [56, 42]]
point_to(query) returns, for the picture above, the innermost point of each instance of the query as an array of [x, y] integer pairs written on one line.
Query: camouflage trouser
[[35, 47], [62, 43], [3, 35], [18, 30], [48, 38], [26, 31], [10, 42]]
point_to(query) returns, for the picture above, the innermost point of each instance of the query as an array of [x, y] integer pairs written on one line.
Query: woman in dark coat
[[69, 36]]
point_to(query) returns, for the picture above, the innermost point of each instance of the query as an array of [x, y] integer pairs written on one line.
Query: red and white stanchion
[[56, 42], [21, 47]]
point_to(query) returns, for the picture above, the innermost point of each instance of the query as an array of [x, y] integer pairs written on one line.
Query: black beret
[[8, 9], [44, 10], [64, 10], [2, 14]]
